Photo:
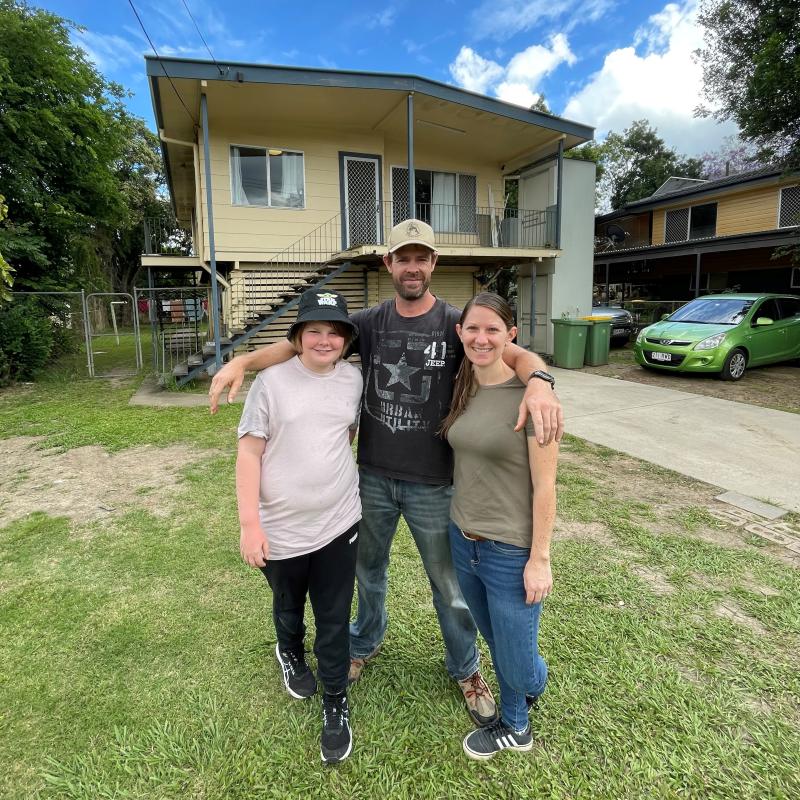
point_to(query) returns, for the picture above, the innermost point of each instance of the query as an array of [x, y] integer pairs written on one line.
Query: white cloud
[[518, 81], [663, 84], [382, 19], [109, 52], [474, 72], [502, 19]]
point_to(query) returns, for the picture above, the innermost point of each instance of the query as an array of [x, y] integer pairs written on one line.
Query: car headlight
[[711, 342], [640, 336]]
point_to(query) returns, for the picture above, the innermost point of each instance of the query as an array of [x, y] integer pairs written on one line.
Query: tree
[[541, 105], [732, 157], [6, 278], [75, 168], [751, 71], [633, 164]]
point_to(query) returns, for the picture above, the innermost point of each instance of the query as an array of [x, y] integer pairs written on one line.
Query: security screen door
[[362, 211]]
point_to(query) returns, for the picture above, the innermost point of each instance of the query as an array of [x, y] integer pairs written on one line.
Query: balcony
[[455, 226], [163, 238]]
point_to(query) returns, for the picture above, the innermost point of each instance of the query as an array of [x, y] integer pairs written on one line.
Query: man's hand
[[538, 580], [544, 407], [253, 546], [231, 374]]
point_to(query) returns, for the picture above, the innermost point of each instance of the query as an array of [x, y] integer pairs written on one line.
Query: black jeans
[[327, 576]]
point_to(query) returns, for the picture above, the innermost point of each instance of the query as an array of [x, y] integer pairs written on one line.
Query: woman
[[299, 506], [502, 519]]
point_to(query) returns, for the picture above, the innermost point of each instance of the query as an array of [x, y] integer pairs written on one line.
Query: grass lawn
[[136, 650]]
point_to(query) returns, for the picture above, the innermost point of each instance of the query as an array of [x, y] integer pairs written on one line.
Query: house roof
[[239, 72], [692, 190]]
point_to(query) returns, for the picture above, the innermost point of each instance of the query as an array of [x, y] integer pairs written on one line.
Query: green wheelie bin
[[569, 345], [598, 340]]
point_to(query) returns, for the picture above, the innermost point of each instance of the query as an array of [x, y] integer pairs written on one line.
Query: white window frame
[[266, 149], [689, 220], [780, 207], [794, 278]]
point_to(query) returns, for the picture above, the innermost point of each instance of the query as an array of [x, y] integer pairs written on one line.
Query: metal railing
[[163, 238]]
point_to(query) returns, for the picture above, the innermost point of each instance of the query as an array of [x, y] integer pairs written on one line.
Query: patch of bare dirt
[[729, 610], [771, 387], [656, 580], [88, 483], [594, 531]]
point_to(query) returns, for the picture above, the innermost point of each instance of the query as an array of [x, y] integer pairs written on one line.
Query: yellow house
[[288, 178], [693, 237]]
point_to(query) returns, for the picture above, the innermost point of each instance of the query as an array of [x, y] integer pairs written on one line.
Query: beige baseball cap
[[411, 231]]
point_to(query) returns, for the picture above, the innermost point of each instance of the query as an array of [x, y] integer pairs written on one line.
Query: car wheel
[[734, 366]]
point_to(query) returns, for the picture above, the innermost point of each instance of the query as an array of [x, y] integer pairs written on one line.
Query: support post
[[560, 191], [211, 248], [533, 307], [87, 335], [608, 283], [412, 200], [697, 276]]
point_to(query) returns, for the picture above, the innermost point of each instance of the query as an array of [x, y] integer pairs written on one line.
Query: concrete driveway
[[742, 448]]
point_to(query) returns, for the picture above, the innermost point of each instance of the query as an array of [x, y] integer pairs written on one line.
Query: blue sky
[[600, 62]]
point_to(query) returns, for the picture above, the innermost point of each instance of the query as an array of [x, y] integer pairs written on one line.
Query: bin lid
[[570, 321], [599, 318]]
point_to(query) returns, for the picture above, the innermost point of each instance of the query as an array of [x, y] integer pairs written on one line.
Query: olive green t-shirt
[[493, 494]]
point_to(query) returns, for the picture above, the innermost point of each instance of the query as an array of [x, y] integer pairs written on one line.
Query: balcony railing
[[162, 238], [453, 225]]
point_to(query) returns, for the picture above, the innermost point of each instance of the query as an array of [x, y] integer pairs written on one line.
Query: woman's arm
[[538, 576], [253, 544], [232, 373], [540, 401]]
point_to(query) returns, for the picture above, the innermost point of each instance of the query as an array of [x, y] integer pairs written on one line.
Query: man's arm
[[232, 373], [540, 401]]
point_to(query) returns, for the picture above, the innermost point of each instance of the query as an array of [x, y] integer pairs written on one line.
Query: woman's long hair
[[466, 384]]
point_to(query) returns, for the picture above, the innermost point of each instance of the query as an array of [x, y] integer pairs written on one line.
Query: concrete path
[[743, 448]]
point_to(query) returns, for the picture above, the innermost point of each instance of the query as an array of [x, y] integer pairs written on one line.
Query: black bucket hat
[[320, 305]]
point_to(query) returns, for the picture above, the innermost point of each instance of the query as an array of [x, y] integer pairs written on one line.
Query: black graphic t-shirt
[[409, 364]]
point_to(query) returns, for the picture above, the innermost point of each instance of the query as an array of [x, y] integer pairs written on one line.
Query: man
[[409, 356]]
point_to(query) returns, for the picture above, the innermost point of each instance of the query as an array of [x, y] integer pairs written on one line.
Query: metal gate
[[112, 333]]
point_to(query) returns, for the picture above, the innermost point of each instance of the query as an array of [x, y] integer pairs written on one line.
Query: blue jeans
[[426, 509], [490, 575]]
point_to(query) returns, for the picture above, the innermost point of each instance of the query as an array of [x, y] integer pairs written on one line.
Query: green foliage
[[26, 341], [751, 71], [6, 278], [633, 164], [76, 169]]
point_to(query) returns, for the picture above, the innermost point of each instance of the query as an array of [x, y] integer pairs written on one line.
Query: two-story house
[[693, 237], [288, 178]]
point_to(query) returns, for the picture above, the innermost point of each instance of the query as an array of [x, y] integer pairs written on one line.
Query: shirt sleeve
[[255, 417]]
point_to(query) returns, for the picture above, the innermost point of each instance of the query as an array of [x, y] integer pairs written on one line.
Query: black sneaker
[[483, 743], [337, 738], [298, 678]]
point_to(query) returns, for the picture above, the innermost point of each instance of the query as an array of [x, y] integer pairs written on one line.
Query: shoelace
[[478, 687], [294, 661], [337, 708]]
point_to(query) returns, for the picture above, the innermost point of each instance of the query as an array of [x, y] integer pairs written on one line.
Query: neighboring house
[[309, 170], [693, 237]]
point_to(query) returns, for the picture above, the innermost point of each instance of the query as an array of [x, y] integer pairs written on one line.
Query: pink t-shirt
[[309, 481]]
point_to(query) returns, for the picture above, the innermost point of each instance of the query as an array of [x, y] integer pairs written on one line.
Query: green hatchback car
[[723, 333]]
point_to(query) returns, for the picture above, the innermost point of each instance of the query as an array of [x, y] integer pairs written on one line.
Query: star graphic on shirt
[[400, 372]]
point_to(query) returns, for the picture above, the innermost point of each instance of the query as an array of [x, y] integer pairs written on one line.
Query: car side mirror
[[763, 321], [664, 316]]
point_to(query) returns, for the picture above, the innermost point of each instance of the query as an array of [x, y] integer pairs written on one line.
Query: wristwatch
[[542, 375]]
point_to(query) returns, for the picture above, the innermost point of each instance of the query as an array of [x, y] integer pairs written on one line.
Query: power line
[[197, 28], [171, 82]]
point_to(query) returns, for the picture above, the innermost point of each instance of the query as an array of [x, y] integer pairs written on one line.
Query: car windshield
[[713, 311]]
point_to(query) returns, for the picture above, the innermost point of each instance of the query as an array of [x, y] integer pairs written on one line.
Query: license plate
[[619, 332], [661, 356]]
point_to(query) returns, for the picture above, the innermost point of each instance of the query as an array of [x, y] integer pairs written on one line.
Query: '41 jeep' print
[[404, 367]]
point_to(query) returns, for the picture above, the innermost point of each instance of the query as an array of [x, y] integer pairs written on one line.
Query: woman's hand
[[538, 579], [253, 546]]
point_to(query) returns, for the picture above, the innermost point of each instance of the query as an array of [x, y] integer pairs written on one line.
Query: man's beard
[[411, 294]]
